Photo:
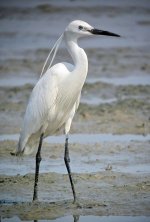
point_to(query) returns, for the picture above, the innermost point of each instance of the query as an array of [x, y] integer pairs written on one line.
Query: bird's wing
[[42, 102], [44, 96]]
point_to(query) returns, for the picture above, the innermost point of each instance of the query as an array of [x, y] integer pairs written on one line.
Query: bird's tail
[[19, 150], [23, 147]]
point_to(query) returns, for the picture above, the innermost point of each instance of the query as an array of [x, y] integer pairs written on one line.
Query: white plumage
[[56, 97], [52, 104]]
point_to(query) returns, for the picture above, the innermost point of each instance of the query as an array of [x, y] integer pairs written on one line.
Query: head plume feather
[[54, 51]]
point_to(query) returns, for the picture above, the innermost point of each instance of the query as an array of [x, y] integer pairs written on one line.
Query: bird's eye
[[80, 27]]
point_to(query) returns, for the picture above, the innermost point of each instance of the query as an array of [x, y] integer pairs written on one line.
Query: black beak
[[101, 32]]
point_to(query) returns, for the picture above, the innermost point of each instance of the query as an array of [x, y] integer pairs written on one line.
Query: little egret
[[55, 98]]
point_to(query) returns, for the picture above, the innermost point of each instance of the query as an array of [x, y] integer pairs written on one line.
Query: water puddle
[[123, 81], [93, 100], [96, 101], [78, 165], [134, 80], [121, 161], [86, 219], [86, 138], [137, 168], [14, 81]]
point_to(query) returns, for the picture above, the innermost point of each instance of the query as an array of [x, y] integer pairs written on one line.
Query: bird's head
[[75, 29], [81, 28]]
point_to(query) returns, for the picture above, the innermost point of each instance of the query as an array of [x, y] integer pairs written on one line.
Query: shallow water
[[86, 138], [124, 81], [17, 81], [80, 165], [97, 101], [12, 168], [87, 219], [120, 161], [29, 27]]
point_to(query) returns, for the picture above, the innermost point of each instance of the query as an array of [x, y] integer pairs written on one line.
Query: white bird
[[55, 98]]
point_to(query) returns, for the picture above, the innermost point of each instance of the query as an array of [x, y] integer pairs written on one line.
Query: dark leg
[[67, 160], [38, 160], [76, 218]]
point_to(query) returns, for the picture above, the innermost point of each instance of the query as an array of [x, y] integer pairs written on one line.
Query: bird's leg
[[67, 161], [38, 160]]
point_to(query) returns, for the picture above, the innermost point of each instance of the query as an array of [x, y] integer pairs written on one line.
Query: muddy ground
[[119, 187], [112, 171], [114, 179]]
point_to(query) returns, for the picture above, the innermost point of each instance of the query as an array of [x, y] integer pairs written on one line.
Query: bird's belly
[[55, 125], [64, 104], [56, 121]]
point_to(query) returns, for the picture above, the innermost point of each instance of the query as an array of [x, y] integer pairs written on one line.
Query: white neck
[[78, 55]]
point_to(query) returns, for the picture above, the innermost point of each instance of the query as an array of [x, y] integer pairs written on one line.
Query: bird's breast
[[65, 101]]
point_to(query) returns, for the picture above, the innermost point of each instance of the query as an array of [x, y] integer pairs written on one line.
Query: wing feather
[[51, 101], [41, 102]]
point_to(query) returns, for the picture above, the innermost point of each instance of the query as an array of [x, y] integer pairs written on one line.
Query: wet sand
[[110, 134], [119, 186]]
